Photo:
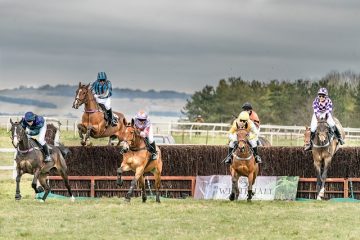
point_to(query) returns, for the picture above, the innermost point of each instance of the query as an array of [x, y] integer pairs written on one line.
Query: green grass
[[112, 218]]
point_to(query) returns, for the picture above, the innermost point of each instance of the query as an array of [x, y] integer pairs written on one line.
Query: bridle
[[323, 136], [243, 148], [79, 101], [15, 137]]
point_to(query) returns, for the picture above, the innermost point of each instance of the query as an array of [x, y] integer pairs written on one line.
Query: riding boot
[[47, 153], [153, 151], [229, 156], [257, 157], [338, 135], [111, 119], [309, 146]]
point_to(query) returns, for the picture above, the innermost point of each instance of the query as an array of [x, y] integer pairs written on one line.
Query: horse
[[137, 158], [243, 164], [93, 123], [324, 148], [29, 159]]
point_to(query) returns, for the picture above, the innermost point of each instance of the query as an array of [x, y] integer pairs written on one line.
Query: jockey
[[36, 125], [323, 106], [143, 124], [253, 115], [102, 91], [243, 121]]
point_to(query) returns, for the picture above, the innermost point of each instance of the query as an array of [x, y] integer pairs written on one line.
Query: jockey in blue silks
[[323, 107], [102, 90], [36, 125]]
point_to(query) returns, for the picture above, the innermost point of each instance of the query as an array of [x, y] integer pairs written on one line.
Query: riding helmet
[[29, 116], [101, 76], [244, 116], [247, 106], [323, 91]]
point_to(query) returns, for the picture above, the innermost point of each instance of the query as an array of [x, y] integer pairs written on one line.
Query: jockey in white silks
[[143, 124]]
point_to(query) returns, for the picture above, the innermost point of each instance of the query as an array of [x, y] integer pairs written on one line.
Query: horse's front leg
[[157, 176], [82, 131], [44, 183], [142, 186], [34, 182], [18, 178], [139, 172], [234, 186], [250, 182], [323, 178], [318, 179]]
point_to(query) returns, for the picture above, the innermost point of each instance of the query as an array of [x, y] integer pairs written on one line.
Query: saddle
[[35, 144]]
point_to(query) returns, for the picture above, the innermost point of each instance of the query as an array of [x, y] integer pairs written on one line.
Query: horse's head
[[131, 136], [81, 95], [322, 131], [18, 133], [242, 136]]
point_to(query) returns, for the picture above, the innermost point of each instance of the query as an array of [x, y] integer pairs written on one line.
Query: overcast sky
[[175, 45]]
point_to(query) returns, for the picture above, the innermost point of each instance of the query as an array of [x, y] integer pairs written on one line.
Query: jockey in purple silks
[[143, 124], [36, 125], [323, 107]]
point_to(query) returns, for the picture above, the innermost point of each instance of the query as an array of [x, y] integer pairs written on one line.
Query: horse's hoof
[[42, 201], [39, 189], [318, 198], [127, 199], [17, 197], [72, 199], [232, 197], [144, 200], [83, 143], [248, 200]]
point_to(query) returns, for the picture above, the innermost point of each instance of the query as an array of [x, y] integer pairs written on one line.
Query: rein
[[243, 158]]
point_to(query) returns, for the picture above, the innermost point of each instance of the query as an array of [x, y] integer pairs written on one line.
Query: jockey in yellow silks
[[243, 121]]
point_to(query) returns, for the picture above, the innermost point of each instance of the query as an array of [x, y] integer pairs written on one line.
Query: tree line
[[277, 102]]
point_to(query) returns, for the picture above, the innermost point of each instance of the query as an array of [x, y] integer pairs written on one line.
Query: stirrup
[[258, 159], [341, 141], [47, 159], [153, 156], [227, 160]]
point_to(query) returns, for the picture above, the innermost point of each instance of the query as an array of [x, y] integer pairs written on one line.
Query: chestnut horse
[[324, 148], [93, 123], [30, 159], [137, 158], [243, 164]]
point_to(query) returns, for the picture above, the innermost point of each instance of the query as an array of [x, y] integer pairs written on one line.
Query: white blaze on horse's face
[[15, 138], [124, 146], [77, 102]]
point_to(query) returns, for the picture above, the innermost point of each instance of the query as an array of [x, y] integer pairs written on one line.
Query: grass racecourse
[[112, 218]]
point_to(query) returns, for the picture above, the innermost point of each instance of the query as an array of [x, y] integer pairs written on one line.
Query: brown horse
[[243, 164], [137, 158], [30, 159], [93, 123], [324, 148]]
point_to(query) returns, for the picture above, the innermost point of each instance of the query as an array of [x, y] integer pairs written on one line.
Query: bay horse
[[243, 164], [30, 159], [137, 158], [324, 148], [93, 123]]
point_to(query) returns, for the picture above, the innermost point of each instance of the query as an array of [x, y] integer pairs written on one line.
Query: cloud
[[176, 45]]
